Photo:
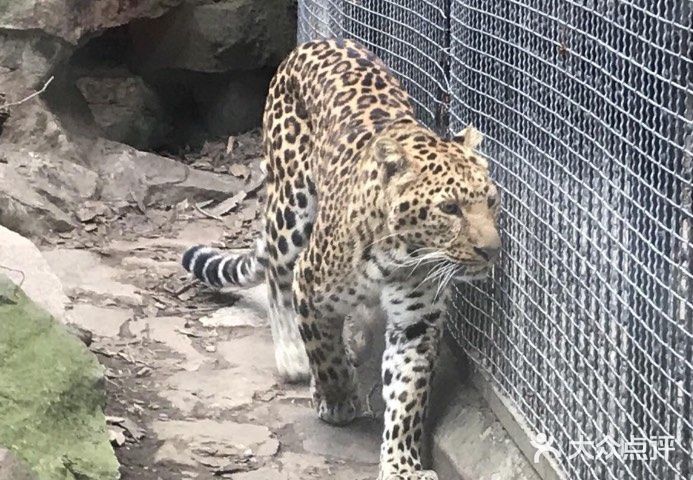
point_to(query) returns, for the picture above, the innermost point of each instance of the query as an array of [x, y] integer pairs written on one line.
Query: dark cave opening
[[117, 83]]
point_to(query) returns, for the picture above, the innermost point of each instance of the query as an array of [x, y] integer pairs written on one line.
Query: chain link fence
[[586, 325]]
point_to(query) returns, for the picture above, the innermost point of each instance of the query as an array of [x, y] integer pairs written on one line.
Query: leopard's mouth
[[472, 264], [470, 271]]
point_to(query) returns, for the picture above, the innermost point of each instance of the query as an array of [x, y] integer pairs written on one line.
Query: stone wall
[[156, 75]]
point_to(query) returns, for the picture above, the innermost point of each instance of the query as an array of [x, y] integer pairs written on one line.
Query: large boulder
[[24, 264], [71, 20], [128, 174], [52, 395], [27, 58], [40, 164], [39, 190], [217, 36]]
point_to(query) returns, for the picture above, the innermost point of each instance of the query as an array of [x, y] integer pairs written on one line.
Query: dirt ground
[[192, 392]]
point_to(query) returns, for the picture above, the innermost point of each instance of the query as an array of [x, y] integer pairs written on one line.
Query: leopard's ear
[[390, 155], [470, 137]]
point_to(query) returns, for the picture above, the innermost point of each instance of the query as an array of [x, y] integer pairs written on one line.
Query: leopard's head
[[440, 200]]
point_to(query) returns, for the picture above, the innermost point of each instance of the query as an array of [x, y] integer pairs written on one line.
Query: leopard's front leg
[[415, 322], [333, 378]]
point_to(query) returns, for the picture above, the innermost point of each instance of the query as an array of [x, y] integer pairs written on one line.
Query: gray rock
[[210, 441], [27, 61], [207, 231], [470, 442], [127, 173], [24, 264], [83, 271], [125, 108], [28, 58], [71, 20], [217, 37], [49, 160], [169, 332], [38, 190], [100, 321], [262, 474], [12, 468], [41, 168], [215, 390], [254, 353], [357, 442]]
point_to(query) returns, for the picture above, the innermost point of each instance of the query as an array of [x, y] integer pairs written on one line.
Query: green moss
[[51, 400]]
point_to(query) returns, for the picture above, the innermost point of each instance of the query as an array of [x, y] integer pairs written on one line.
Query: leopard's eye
[[450, 208]]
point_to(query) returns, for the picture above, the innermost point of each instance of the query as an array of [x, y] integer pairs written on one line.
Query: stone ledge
[[469, 441], [515, 425]]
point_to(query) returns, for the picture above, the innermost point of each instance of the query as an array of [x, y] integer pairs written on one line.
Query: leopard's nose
[[488, 252], [486, 241]]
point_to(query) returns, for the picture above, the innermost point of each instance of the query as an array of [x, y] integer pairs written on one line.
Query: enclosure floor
[[194, 394]]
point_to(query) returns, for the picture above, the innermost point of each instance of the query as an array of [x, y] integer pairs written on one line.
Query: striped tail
[[219, 270]]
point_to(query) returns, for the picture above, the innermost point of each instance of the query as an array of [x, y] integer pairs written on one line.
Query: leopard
[[365, 206]]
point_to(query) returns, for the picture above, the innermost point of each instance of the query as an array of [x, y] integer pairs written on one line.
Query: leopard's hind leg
[[289, 217]]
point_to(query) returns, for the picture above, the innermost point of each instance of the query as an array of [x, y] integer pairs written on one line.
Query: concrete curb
[[469, 442]]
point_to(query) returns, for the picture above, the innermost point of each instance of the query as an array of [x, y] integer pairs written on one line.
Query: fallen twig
[[26, 99], [207, 214]]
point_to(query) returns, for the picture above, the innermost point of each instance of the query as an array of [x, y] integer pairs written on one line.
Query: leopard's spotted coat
[[365, 206]]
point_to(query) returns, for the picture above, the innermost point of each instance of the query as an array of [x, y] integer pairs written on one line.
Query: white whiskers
[[441, 268]]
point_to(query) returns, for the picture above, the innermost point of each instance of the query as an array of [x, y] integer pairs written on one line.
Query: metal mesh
[[587, 322], [411, 36]]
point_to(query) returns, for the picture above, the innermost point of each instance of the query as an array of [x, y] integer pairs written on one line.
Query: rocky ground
[[190, 372]]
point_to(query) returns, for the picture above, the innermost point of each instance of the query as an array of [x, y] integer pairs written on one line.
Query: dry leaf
[[239, 170], [116, 436], [92, 209], [248, 213], [202, 165], [85, 214], [131, 428]]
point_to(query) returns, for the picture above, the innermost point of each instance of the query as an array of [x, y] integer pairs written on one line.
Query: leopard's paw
[[420, 475], [338, 413]]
